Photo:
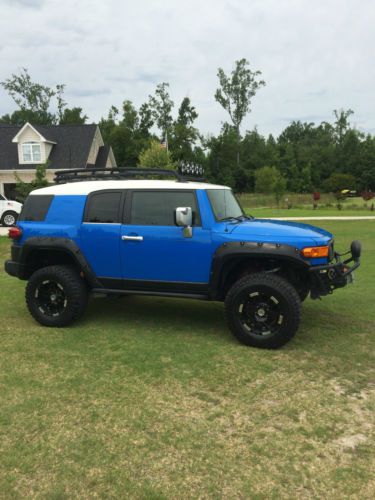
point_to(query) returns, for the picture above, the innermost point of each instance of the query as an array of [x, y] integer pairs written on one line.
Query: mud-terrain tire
[[263, 310], [56, 296]]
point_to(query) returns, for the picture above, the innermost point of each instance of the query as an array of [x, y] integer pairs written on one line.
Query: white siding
[[29, 135], [8, 177], [111, 162], [48, 147], [96, 143]]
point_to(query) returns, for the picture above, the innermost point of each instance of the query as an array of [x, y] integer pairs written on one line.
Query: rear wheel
[[9, 218], [263, 310], [56, 295]]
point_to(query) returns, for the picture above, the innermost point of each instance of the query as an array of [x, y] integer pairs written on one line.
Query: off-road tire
[[281, 299], [6, 216], [72, 288]]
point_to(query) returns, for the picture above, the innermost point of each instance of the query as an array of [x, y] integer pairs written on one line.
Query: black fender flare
[[233, 250], [65, 245]]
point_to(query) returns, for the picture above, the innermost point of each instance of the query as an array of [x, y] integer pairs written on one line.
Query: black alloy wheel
[[56, 295], [263, 310]]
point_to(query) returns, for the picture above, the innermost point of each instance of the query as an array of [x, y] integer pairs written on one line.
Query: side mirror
[[184, 218]]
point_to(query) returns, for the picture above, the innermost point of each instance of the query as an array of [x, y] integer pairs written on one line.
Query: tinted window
[[103, 207], [224, 204], [36, 207], [2, 197], [157, 208]]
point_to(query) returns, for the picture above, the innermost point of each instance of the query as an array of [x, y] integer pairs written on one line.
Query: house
[[63, 146]]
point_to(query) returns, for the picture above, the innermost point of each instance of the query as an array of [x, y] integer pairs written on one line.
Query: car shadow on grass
[[193, 317], [319, 327]]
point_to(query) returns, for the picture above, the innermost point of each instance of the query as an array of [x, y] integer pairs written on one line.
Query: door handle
[[132, 238]]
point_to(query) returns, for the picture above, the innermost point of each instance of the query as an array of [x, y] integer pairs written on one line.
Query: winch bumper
[[337, 274]]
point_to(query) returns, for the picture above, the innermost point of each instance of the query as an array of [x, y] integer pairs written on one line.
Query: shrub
[[156, 156], [337, 182]]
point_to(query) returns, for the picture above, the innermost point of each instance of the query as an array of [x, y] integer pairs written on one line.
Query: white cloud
[[315, 56]]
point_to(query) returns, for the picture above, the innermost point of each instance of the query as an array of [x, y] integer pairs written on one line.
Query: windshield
[[224, 204]]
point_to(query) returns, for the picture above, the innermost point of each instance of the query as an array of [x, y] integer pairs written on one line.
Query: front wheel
[[263, 310], [56, 295]]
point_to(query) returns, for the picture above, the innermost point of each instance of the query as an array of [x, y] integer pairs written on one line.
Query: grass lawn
[[306, 212], [265, 206], [152, 398]]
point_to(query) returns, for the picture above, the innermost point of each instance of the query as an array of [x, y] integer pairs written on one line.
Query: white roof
[[84, 188]]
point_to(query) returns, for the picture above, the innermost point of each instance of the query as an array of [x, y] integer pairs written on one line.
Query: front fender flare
[[251, 249]]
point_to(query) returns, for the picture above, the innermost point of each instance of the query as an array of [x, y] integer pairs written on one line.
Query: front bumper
[[337, 274]]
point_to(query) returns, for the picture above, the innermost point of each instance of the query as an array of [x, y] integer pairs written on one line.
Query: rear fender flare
[[63, 245]]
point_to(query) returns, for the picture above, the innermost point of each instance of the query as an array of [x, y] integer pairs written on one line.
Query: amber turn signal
[[315, 252]]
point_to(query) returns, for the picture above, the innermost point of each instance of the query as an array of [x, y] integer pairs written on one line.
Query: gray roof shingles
[[73, 143]]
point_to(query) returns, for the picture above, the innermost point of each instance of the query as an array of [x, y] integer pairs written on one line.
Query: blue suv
[[107, 231]]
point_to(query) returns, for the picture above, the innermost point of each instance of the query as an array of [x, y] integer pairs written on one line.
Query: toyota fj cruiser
[[107, 231]]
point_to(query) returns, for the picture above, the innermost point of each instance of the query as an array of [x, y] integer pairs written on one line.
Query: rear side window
[[157, 208], [36, 207], [103, 207]]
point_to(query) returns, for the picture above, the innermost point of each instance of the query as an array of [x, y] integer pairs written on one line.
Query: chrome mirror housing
[[184, 218]]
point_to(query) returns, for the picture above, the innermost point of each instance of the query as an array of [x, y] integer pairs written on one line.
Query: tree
[[184, 135], [146, 120], [35, 101], [73, 116], [156, 156], [337, 182], [256, 152], [221, 163], [161, 107], [341, 125], [266, 179], [128, 133], [235, 94], [279, 188], [24, 188]]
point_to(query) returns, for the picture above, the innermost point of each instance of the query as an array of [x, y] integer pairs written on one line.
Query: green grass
[[152, 398], [301, 205], [306, 212]]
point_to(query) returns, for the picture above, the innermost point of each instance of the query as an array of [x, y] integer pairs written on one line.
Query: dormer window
[[31, 152]]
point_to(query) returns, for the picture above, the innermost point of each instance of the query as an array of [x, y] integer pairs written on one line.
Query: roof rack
[[117, 173]]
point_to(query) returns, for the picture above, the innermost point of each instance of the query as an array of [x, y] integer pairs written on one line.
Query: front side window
[[224, 204], [31, 152], [103, 208], [157, 208]]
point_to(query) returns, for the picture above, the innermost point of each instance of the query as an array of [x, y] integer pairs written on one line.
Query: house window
[[31, 152]]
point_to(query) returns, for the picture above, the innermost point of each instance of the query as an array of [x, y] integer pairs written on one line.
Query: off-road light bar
[[192, 169]]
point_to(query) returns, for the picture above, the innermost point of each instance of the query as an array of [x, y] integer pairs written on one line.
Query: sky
[[315, 56]]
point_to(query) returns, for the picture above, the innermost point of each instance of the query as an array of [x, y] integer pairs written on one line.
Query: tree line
[[305, 157]]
